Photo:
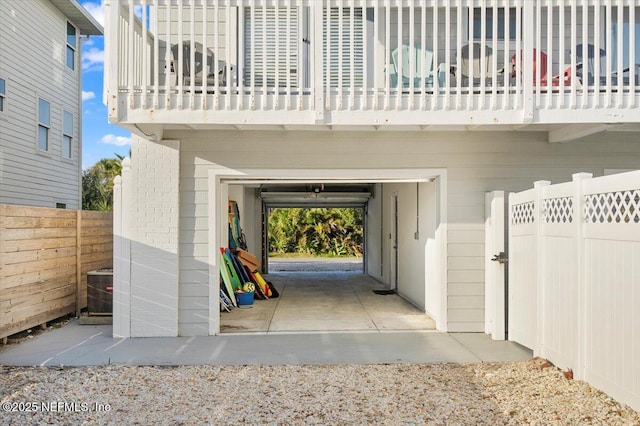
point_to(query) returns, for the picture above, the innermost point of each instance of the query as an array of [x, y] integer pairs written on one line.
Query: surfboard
[[235, 279], [226, 278], [225, 303], [263, 283], [244, 278]]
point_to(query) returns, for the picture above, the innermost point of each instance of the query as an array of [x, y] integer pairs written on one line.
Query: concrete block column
[[154, 247]]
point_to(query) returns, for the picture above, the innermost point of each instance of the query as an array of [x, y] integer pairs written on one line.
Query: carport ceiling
[[316, 195]]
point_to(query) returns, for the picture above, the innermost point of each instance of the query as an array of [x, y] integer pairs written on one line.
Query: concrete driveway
[[81, 345]]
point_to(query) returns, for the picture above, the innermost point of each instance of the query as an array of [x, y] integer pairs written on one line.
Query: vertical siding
[[34, 65]]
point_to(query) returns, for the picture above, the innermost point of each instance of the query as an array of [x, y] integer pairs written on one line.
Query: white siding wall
[[413, 266], [33, 64], [476, 162]]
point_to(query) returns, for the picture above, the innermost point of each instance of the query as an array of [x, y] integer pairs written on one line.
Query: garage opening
[[315, 239], [314, 227], [395, 248]]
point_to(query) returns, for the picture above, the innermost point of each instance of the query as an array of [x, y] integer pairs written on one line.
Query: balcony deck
[[393, 64]]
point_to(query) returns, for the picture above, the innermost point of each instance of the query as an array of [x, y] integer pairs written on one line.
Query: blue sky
[[99, 138]]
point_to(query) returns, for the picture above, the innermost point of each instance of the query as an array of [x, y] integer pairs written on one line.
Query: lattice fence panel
[[557, 210], [613, 207], [523, 213]]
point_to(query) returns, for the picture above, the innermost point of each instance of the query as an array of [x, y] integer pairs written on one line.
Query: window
[[269, 60], [2, 94], [72, 43], [350, 38], [488, 27], [623, 46], [44, 124], [61, 205], [67, 134]]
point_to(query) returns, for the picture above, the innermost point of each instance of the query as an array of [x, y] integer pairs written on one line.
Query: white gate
[[523, 250], [495, 265]]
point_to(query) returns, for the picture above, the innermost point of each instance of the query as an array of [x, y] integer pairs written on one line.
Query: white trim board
[[218, 182]]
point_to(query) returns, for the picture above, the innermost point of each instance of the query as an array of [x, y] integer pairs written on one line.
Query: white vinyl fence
[[574, 278]]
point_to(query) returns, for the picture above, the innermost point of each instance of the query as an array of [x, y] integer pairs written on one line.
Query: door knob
[[500, 257]]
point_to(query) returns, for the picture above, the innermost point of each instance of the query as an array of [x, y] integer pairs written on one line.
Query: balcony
[[204, 64]]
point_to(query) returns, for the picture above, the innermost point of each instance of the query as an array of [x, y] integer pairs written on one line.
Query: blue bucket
[[245, 298]]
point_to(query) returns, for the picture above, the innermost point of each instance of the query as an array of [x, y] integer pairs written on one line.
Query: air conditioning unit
[[100, 292]]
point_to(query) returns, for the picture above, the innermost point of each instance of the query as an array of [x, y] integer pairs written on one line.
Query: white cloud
[[92, 59], [112, 139], [96, 10], [87, 95]]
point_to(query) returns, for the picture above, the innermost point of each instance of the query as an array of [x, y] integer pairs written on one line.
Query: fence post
[[578, 235], [78, 260], [539, 253], [117, 255], [121, 253]]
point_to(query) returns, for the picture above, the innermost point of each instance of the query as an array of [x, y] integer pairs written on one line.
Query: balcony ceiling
[[555, 132]]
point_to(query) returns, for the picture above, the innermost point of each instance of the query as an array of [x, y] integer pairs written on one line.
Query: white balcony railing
[[368, 62]]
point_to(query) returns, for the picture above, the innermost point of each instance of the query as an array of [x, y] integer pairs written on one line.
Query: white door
[[393, 279], [523, 270], [495, 266]]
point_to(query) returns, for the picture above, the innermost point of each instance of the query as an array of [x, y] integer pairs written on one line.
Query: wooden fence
[[45, 255]]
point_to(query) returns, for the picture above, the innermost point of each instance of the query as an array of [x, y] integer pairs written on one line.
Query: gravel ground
[[488, 393]]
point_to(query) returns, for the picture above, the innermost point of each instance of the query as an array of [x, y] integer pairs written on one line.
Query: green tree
[[97, 184], [316, 231]]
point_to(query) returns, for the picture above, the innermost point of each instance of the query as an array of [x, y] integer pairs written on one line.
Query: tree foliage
[[97, 184], [316, 231]]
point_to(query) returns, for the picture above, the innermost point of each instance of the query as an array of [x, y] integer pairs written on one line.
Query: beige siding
[[34, 66], [476, 162]]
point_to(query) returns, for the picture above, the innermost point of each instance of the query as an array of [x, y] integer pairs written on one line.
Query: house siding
[[476, 162], [34, 66]]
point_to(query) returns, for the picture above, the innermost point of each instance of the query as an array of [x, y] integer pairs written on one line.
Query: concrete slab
[[487, 349], [319, 301], [368, 329], [385, 321], [76, 345]]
